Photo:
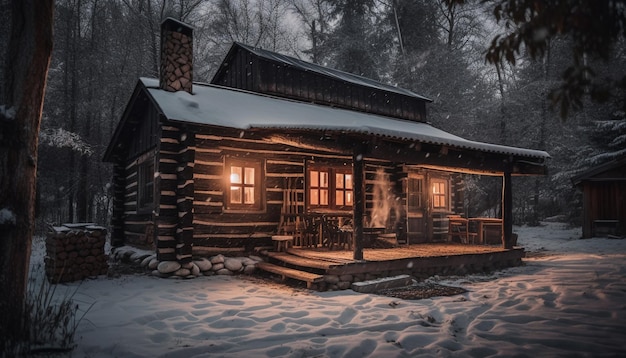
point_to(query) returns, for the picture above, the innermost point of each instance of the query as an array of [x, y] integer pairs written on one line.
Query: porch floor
[[396, 253], [322, 269]]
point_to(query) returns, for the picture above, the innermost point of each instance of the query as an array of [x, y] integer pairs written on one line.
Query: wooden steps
[[301, 261], [284, 272]]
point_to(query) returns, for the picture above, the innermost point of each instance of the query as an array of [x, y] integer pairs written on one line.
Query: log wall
[[137, 222], [190, 211]]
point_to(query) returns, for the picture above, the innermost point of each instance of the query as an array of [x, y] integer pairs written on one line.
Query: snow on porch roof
[[226, 107]]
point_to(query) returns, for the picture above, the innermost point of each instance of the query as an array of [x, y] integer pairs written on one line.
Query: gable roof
[[312, 67], [596, 173], [226, 107]]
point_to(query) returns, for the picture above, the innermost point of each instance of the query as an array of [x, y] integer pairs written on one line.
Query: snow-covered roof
[[226, 107], [329, 72]]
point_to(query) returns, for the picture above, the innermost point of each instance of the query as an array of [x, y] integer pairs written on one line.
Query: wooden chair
[[458, 227], [290, 223], [336, 235], [310, 230]]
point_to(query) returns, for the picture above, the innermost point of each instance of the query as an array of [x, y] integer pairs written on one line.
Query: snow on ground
[[568, 300]]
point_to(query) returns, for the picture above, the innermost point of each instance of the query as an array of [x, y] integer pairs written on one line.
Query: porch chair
[[310, 230], [336, 235], [290, 223], [458, 227]]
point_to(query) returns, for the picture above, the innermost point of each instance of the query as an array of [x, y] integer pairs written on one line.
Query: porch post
[[507, 208], [359, 198]]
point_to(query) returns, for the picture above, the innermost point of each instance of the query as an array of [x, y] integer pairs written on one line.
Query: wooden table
[[483, 224]]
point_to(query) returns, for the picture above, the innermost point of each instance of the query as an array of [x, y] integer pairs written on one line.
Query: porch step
[[300, 261], [307, 277]]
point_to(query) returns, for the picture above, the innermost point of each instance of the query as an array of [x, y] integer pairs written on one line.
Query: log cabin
[[604, 198], [221, 164]]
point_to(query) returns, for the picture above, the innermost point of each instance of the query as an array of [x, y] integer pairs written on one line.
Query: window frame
[[445, 196], [257, 185], [331, 189], [145, 183]]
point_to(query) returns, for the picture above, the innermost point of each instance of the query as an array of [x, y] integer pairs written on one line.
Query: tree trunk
[[24, 78]]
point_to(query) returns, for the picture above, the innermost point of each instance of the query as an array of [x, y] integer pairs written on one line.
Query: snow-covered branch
[[61, 138]]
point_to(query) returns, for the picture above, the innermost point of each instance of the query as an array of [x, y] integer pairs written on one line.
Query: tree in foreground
[[594, 27], [26, 48]]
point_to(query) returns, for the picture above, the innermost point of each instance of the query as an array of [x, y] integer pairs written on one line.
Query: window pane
[[339, 197], [249, 195], [349, 197], [235, 195], [348, 181], [339, 181], [323, 197], [235, 175], [249, 176], [315, 178], [323, 180], [314, 197]]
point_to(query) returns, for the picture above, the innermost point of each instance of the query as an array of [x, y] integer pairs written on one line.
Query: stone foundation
[[345, 281], [202, 266]]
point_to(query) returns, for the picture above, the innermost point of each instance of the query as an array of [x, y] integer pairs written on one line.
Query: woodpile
[[75, 252]]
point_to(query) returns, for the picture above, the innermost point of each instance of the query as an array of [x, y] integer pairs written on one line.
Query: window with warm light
[[330, 188], [440, 194], [244, 185]]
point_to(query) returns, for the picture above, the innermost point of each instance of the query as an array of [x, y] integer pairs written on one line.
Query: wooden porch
[[322, 269]]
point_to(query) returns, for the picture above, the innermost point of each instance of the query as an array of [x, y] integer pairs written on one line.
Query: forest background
[[101, 48]]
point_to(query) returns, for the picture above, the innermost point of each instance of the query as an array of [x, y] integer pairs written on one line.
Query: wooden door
[[416, 209]]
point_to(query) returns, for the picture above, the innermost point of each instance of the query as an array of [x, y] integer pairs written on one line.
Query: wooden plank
[[301, 261], [309, 254], [292, 273]]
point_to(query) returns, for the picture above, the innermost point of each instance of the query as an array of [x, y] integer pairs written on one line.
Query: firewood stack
[[75, 252], [176, 56]]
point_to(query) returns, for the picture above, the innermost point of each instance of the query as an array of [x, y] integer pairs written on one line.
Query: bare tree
[[258, 23], [24, 79], [315, 16]]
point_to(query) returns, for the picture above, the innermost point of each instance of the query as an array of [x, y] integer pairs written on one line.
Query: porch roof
[[227, 107]]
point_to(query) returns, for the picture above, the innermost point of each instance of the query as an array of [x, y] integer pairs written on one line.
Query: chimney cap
[[171, 23]]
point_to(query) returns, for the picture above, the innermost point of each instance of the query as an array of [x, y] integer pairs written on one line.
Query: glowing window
[[244, 179], [330, 187], [440, 194]]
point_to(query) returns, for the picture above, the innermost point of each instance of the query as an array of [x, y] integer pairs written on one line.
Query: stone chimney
[[176, 56]]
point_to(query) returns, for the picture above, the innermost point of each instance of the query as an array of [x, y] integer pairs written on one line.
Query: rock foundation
[[203, 266]]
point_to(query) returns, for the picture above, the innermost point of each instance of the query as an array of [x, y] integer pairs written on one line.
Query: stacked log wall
[[216, 225], [166, 199], [137, 223], [213, 225], [117, 219], [372, 182]]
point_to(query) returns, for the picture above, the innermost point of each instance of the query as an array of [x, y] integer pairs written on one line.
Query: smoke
[[384, 201]]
